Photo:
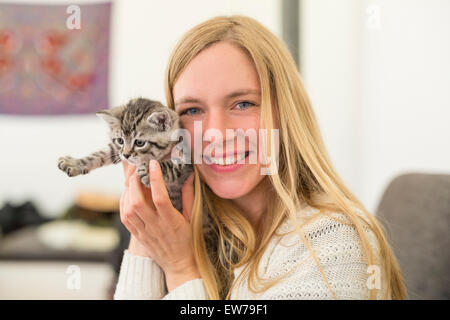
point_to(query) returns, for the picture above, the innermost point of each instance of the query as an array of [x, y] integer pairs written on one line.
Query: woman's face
[[220, 89]]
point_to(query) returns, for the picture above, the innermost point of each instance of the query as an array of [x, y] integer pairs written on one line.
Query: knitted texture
[[140, 278], [337, 247]]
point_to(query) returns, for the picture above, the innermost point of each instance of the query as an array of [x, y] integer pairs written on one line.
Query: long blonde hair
[[305, 173]]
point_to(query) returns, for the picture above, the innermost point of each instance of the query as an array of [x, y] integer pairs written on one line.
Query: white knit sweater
[[337, 247]]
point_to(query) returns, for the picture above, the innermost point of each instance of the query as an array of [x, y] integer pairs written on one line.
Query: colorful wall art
[[54, 58]]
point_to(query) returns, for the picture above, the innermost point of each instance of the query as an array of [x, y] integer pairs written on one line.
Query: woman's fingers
[[141, 197], [146, 192], [128, 217], [187, 196], [122, 200], [163, 234], [159, 191], [125, 172], [128, 170]]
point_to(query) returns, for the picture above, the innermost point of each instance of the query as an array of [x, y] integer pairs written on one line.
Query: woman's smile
[[227, 163]]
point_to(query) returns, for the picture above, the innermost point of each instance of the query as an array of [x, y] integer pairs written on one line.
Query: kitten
[[140, 131]]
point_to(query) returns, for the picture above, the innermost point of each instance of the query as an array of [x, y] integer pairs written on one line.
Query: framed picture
[[54, 58]]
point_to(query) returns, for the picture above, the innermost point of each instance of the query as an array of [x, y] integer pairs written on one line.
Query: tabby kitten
[[140, 131]]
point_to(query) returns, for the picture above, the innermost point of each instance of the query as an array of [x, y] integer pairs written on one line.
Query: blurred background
[[377, 73]]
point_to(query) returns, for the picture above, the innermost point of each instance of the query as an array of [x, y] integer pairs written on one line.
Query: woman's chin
[[231, 185], [229, 189], [228, 195]]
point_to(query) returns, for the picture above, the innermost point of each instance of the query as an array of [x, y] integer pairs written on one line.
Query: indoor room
[[374, 74]]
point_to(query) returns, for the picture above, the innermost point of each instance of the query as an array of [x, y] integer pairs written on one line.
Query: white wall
[[406, 92], [329, 65], [378, 73], [142, 37], [146, 31]]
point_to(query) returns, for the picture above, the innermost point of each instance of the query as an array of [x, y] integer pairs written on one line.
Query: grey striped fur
[[151, 123]]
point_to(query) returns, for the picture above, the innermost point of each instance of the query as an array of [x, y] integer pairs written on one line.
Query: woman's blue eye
[[246, 104], [190, 111]]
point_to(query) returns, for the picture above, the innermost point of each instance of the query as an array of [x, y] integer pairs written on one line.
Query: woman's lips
[[226, 168]]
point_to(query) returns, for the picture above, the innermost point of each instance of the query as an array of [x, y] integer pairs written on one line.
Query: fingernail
[[152, 164]]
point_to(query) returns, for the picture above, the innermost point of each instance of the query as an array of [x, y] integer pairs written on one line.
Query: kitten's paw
[[146, 181], [71, 166], [143, 173]]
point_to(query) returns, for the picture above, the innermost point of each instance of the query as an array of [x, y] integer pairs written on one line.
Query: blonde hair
[[305, 173]]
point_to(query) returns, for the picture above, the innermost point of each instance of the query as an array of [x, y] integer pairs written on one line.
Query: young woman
[[295, 233]]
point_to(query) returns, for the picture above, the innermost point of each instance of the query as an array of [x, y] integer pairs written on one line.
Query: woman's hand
[[157, 229]]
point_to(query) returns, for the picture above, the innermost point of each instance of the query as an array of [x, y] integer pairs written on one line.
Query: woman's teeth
[[228, 160]]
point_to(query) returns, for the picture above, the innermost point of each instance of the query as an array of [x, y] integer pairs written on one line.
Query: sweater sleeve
[[339, 252], [140, 278]]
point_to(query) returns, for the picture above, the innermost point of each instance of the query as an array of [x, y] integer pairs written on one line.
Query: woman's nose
[[216, 121]]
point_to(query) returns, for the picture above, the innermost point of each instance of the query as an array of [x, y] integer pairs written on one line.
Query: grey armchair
[[415, 210]]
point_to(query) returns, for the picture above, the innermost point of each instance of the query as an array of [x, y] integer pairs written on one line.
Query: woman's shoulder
[[332, 236], [317, 226], [337, 247]]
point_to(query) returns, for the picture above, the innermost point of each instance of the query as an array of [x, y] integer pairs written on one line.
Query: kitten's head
[[141, 129]]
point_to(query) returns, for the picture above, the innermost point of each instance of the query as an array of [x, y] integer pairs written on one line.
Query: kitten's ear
[[160, 120], [109, 117]]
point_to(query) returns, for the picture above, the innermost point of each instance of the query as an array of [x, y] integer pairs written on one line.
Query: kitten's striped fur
[[140, 121]]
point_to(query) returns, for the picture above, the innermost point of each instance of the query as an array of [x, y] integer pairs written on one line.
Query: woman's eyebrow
[[234, 94], [243, 92], [187, 100]]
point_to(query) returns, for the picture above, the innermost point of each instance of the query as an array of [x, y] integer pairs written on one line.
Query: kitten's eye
[[119, 141], [139, 143]]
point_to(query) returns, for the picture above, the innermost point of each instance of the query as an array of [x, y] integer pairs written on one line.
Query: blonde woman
[[296, 233]]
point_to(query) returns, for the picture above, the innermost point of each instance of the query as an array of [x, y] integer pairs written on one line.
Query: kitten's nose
[[126, 156]]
